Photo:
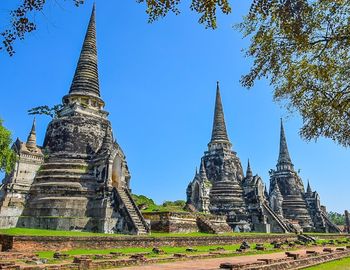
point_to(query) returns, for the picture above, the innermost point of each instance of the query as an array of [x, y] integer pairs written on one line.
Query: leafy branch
[[46, 110]]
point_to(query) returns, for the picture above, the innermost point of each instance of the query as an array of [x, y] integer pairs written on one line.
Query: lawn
[[343, 264], [168, 250]]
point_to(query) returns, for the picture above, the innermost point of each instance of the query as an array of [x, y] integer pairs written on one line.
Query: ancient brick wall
[[40, 243]]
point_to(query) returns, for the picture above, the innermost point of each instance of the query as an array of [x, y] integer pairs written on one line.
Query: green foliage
[[23, 22], [148, 205], [206, 8], [23, 17], [336, 218], [143, 201], [46, 110], [7, 155], [178, 203], [302, 48]]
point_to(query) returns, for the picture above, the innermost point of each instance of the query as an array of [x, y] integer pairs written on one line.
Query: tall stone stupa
[[79, 179]]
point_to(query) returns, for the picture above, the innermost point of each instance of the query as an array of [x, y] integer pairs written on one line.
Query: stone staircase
[[134, 213], [306, 238], [280, 222], [208, 226], [333, 228]]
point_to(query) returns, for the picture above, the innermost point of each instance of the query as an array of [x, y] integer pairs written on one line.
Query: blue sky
[[158, 81]]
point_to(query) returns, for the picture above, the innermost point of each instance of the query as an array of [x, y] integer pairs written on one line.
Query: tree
[[23, 20], [7, 155], [336, 218], [46, 110], [302, 48], [206, 8]]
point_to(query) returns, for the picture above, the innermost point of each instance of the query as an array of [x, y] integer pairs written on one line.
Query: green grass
[[320, 234], [168, 250], [38, 232], [326, 241], [343, 264]]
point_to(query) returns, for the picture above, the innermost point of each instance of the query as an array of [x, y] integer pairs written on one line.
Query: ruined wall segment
[[16, 185]]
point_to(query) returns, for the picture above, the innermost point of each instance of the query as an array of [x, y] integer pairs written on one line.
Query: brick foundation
[[40, 243]]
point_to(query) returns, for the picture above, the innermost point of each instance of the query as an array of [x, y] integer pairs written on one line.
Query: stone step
[[134, 215], [61, 165], [77, 160], [58, 184], [63, 172], [66, 177]]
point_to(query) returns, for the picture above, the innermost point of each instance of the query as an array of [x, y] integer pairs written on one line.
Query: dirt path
[[213, 264]]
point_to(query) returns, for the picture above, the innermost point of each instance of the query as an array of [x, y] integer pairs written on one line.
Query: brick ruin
[[221, 188]]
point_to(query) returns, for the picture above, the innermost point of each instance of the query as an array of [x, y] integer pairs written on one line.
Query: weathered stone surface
[[347, 221], [83, 182], [172, 222], [184, 222]]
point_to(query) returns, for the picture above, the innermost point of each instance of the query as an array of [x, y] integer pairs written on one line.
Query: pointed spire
[[85, 81], [219, 132], [276, 188], [308, 190], [31, 141], [265, 192], [283, 157], [249, 170], [202, 171], [107, 140]]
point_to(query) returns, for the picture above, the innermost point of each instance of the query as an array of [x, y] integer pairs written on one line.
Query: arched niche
[[196, 193]]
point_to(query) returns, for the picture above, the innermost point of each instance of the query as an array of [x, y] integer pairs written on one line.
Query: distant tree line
[[336, 218], [7, 155], [148, 205]]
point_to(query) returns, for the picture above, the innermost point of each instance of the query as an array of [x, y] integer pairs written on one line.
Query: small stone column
[[347, 221]]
